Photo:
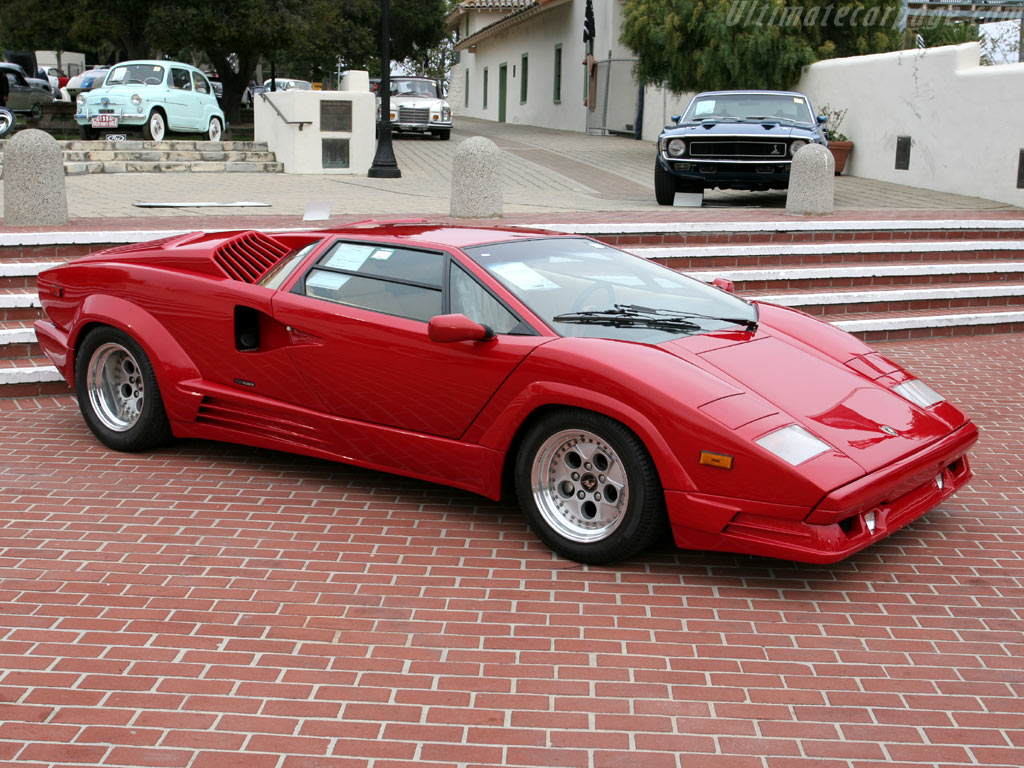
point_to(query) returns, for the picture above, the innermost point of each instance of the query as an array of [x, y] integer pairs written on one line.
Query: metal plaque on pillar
[[336, 115]]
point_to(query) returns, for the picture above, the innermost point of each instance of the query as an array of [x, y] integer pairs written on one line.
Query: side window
[[469, 298], [200, 83], [180, 79], [382, 278]]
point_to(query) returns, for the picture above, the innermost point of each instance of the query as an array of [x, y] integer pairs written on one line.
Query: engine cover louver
[[249, 256]]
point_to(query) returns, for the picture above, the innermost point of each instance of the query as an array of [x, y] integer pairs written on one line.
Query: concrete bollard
[[812, 182], [34, 191], [476, 180]]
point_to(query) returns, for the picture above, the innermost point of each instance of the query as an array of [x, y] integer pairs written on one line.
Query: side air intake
[[249, 256]]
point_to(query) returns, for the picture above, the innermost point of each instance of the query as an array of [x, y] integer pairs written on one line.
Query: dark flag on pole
[[589, 32]]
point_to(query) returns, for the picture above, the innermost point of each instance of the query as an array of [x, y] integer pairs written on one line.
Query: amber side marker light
[[716, 460]]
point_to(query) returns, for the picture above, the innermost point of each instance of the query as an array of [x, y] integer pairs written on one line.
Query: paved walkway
[[215, 606], [547, 175]]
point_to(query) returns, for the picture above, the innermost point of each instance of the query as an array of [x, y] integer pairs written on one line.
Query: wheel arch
[[506, 432], [171, 364]]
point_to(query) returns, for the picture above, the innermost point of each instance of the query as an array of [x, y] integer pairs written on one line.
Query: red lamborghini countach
[[616, 394]]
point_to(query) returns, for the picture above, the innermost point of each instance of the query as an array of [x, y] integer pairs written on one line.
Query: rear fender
[[170, 362]]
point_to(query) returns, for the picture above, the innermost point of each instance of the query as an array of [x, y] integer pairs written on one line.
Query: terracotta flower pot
[[840, 151]]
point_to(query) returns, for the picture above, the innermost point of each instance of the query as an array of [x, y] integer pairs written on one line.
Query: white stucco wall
[[301, 151], [964, 119], [537, 37]]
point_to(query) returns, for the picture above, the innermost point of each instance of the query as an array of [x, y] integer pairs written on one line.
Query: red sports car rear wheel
[[118, 393], [588, 487]]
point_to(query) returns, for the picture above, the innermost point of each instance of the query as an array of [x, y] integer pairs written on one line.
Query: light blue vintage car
[[156, 96]]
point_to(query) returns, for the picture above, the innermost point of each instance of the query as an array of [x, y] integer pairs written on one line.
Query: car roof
[[749, 92], [155, 62]]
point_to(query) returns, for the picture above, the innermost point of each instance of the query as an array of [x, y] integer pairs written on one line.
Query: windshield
[[136, 74], [748, 106], [414, 88], [569, 277]]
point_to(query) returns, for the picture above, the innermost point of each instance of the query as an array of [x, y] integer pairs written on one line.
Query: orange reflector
[[716, 459]]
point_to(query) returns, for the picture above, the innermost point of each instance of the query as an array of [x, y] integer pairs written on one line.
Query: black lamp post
[[385, 166]]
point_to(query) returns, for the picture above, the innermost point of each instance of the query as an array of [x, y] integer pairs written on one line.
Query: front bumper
[[131, 119], [845, 521], [724, 172], [422, 127]]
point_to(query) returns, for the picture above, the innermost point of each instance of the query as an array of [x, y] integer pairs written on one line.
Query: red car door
[[358, 320]]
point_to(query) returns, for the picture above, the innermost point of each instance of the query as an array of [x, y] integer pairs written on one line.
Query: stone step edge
[[26, 268], [929, 321], [826, 225], [17, 336], [915, 269], [800, 249], [837, 297], [19, 300], [32, 374]]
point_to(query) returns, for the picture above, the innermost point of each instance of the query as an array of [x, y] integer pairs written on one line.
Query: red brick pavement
[[210, 606]]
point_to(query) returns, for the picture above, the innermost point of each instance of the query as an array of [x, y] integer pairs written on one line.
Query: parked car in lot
[[24, 95], [417, 106], [91, 78], [618, 396], [154, 97], [734, 140]]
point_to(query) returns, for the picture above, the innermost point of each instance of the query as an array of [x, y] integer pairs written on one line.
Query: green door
[[502, 90]]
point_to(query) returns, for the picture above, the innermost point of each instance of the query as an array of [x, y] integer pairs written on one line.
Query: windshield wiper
[[717, 117], [633, 315]]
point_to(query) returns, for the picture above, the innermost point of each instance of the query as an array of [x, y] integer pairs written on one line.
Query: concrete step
[[18, 340], [19, 305], [18, 276], [897, 326], [85, 157], [703, 257], [851, 301], [28, 377], [872, 274]]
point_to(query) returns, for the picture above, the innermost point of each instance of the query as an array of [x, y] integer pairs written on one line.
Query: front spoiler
[[845, 521]]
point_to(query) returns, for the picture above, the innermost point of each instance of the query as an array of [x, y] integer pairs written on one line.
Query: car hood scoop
[[869, 423]]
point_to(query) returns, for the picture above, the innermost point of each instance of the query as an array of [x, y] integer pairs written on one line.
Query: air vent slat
[[249, 256]]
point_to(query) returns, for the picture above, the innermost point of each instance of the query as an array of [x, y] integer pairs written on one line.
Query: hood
[[411, 100], [116, 93], [846, 410], [751, 129]]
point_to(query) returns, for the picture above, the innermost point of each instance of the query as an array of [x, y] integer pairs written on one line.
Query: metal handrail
[[280, 114]]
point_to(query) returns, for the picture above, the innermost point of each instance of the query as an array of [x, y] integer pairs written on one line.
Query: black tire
[[665, 185], [88, 132], [37, 111], [622, 509], [444, 135], [118, 392], [155, 127]]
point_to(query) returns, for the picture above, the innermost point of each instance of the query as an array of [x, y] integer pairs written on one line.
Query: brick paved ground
[[209, 606]]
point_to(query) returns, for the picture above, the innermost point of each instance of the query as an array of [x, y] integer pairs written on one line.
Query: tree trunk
[[235, 83]]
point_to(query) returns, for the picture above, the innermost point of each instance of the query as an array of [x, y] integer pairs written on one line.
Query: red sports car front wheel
[[588, 487]]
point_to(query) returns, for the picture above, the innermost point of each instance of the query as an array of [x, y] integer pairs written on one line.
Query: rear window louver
[[146, 246], [249, 256]]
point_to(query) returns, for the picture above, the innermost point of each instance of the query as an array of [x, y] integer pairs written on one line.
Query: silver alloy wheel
[[579, 486], [115, 386], [157, 129]]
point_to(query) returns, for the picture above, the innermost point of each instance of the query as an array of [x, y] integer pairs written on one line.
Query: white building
[[523, 61]]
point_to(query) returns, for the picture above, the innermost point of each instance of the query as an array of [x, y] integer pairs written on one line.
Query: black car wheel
[[445, 135], [118, 393], [88, 132], [665, 185], [588, 487]]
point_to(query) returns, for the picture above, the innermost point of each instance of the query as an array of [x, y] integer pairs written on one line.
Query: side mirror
[[724, 284], [676, 118], [822, 119], [445, 329]]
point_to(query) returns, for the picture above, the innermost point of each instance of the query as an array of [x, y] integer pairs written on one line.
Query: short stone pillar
[[812, 182], [476, 180], [34, 191]]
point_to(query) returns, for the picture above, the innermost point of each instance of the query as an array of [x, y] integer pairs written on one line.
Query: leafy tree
[[720, 44]]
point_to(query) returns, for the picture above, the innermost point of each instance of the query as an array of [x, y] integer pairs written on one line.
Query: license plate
[[104, 121]]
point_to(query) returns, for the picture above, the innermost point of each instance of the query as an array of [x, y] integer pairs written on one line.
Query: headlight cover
[[446, 114], [919, 393], [794, 146], [80, 100], [676, 147], [136, 99], [793, 444]]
